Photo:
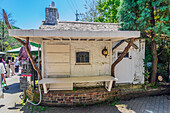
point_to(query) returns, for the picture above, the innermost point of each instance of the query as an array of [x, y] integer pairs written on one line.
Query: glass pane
[[82, 57], [126, 56]]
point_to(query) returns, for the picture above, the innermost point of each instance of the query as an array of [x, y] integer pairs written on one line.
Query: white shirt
[[2, 68], [2, 71]]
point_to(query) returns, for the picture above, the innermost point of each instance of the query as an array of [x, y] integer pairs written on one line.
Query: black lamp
[[105, 52]]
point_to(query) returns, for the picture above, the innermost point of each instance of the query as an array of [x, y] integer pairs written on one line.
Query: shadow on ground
[[2, 106], [98, 108], [13, 88]]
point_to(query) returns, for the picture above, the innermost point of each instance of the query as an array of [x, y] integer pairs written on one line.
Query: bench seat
[[67, 83]]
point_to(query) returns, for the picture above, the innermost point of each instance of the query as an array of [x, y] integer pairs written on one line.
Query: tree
[[151, 17], [7, 42], [107, 10], [24, 44], [91, 13], [101, 11]]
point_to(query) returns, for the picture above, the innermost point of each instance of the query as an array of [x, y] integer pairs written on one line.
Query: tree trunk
[[25, 45], [121, 56], [154, 49], [154, 62]]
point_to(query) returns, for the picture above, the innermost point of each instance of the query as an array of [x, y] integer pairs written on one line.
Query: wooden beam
[[100, 39], [92, 39], [85, 39], [107, 40], [74, 39], [65, 39], [57, 39], [134, 45], [24, 44]]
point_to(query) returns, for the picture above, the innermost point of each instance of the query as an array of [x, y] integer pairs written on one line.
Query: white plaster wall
[[139, 56], [136, 67], [99, 65]]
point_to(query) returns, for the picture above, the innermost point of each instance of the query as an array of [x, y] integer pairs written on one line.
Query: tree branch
[[24, 44], [31, 58], [121, 56], [9, 26]]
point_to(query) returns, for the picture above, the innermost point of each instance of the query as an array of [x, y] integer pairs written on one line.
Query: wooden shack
[[78, 53]]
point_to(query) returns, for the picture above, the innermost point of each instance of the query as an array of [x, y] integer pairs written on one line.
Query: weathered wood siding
[[57, 60]]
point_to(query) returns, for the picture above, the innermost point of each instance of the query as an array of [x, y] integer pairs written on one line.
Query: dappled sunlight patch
[[123, 108], [148, 111]]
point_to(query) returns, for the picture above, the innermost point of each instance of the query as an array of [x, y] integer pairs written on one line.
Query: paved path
[[154, 104], [11, 96]]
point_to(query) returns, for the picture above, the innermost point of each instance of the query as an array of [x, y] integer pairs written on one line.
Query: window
[[82, 57], [126, 56]]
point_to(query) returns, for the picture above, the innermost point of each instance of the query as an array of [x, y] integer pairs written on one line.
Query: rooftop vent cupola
[[51, 15]]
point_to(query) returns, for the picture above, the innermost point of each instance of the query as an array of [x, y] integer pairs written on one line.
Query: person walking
[[12, 66], [2, 77], [8, 66], [4, 67], [16, 65]]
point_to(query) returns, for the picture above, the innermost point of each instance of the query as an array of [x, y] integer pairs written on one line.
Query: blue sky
[[30, 13]]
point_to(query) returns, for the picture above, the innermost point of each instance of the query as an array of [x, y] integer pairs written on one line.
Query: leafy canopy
[[137, 15], [107, 10]]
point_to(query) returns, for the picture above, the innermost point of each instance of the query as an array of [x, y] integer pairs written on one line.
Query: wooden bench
[[67, 83]]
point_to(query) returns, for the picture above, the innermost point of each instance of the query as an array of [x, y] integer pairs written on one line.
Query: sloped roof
[[75, 31], [81, 26]]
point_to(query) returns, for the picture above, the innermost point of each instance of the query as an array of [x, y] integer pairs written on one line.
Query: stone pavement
[[11, 96], [154, 104]]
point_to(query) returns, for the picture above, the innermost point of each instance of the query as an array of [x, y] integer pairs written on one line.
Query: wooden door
[[123, 70], [57, 60]]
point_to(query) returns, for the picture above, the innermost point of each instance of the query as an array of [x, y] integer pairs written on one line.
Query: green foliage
[[107, 10], [7, 42], [101, 11], [151, 17], [136, 15], [74, 89], [111, 102], [147, 61], [91, 11], [37, 108]]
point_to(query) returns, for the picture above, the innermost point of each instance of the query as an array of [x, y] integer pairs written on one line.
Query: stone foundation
[[79, 97]]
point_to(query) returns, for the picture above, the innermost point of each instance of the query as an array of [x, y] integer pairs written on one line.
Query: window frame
[[82, 63], [120, 52]]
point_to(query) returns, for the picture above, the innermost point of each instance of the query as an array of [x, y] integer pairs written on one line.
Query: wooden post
[[24, 95], [24, 44]]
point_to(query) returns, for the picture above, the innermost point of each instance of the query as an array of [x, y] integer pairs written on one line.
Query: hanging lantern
[[105, 52]]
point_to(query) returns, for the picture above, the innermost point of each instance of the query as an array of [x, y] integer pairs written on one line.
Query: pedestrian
[[4, 67], [7, 65], [16, 65], [12, 66], [2, 77], [24, 56]]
